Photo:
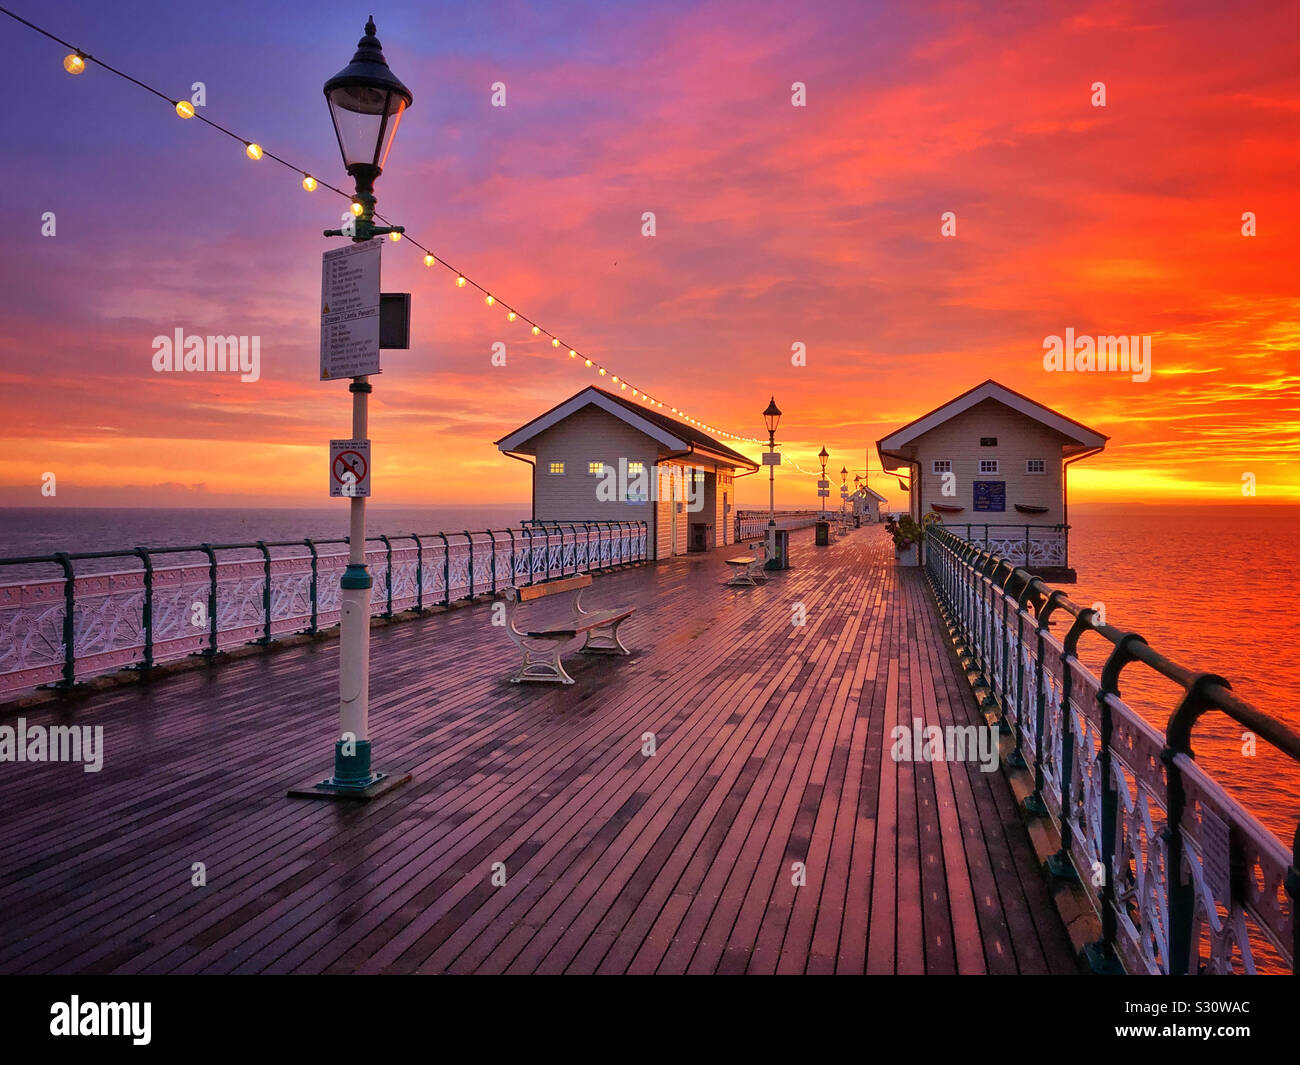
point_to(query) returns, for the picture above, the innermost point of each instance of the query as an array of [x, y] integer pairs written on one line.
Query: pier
[[771, 764]]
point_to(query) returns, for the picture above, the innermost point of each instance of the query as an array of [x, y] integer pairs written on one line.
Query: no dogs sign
[[349, 468]]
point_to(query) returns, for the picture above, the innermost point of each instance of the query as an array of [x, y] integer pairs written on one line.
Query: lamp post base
[[353, 779]]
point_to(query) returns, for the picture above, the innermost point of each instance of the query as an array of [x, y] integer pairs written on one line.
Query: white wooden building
[[866, 503], [601, 457], [992, 465]]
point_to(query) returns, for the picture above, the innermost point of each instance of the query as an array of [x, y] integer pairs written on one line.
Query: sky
[[776, 226]]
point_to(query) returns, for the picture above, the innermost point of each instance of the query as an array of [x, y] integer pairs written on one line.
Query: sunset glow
[[775, 225]]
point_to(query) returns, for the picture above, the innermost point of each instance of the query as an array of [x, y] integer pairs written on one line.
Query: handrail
[[1174, 852], [58, 630]]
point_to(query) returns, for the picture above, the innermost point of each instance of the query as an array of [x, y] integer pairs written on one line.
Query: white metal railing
[[59, 631], [1185, 879]]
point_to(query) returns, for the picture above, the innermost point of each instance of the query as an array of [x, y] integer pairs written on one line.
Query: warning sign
[[349, 317], [349, 468]]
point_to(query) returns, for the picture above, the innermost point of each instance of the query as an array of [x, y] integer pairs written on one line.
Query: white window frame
[[596, 469], [1029, 464], [945, 463], [986, 463], [552, 471], [635, 469]]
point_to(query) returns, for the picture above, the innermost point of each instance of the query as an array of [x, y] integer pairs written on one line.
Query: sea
[[1210, 587]]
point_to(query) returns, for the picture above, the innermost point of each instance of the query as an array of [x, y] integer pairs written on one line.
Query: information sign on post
[[349, 317]]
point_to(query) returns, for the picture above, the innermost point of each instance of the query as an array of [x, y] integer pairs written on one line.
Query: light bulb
[[394, 236], [308, 182], [253, 151], [555, 342], [460, 281], [537, 330], [357, 208], [572, 354], [74, 63], [511, 316], [184, 108], [429, 260], [588, 362], [602, 371], [489, 300]]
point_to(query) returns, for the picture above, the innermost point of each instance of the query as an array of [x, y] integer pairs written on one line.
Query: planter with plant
[[907, 534]]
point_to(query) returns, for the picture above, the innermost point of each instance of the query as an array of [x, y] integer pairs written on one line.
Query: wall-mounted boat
[[946, 508], [1031, 508]]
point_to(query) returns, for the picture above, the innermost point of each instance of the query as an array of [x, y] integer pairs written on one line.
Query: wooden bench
[[541, 644], [749, 568]]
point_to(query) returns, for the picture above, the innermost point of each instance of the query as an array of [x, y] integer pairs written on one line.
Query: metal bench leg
[[604, 641], [542, 665]]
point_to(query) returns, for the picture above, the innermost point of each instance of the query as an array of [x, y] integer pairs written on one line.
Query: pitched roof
[[868, 488], [670, 432], [1067, 427]]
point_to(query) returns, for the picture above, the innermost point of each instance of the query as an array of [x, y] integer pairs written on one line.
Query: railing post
[[1035, 803], [1026, 545], [313, 628], [469, 593], [1059, 864], [388, 575], [511, 531], [419, 573], [446, 570], [212, 598], [1292, 884], [266, 592], [147, 612], [1017, 756], [1182, 899], [1101, 954], [69, 620], [493, 549]]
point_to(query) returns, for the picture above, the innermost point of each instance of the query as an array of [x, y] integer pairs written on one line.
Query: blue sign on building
[[991, 495]]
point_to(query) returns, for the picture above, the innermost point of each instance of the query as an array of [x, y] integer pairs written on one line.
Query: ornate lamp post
[[823, 455], [771, 418], [366, 102], [844, 489]]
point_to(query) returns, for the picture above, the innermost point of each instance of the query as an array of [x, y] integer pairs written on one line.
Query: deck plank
[[772, 748]]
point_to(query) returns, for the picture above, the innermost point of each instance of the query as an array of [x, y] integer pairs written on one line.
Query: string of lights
[[78, 60]]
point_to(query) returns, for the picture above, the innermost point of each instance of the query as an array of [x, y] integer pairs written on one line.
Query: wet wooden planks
[[770, 831]]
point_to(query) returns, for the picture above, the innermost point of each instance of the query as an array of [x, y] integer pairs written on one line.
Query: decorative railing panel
[[1184, 878], [154, 612], [751, 523], [1037, 546]]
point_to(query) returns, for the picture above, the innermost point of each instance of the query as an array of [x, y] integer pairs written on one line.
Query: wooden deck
[[772, 748]]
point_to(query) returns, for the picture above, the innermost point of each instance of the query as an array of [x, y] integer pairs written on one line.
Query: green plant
[[906, 531]]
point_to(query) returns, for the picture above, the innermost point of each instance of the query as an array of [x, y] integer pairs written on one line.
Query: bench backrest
[[562, 584]]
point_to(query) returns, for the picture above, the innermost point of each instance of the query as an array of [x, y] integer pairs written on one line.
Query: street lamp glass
[[772, 416], [366, 102]]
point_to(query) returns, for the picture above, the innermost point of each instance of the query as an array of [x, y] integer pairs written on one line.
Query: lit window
[[635, 468], [596, 467], [557, 467], [1036, 465], [988, 465], [942, 466]]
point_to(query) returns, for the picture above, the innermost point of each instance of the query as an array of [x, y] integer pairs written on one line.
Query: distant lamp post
[[366, 102], [771, 418], [844, 488], [823, 455]]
